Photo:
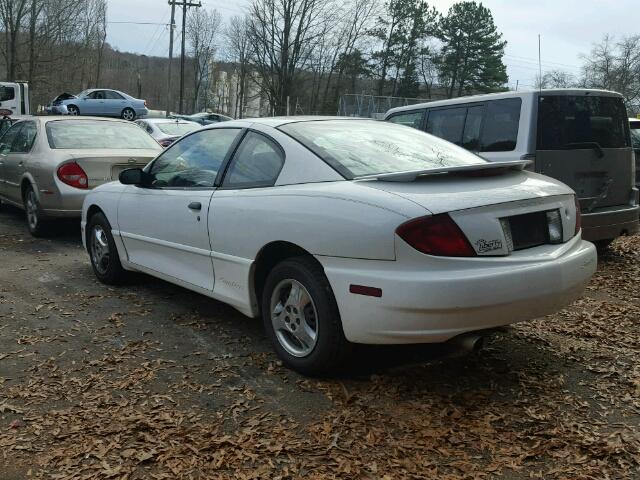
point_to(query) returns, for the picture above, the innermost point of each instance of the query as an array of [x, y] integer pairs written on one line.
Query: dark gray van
[[578, 136]]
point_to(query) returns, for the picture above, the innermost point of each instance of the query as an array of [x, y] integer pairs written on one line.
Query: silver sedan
[[48, 164]]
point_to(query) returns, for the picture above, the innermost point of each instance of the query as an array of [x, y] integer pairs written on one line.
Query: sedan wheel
[[128, 114], [294, 318], [301, 317], [37, 226], [73, 110]]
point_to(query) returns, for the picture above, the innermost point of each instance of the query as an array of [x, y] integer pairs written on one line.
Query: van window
[[500, 131], [635, 135], [410, 119], [447, 123], [7, 93], [566, 120], [472, 125]]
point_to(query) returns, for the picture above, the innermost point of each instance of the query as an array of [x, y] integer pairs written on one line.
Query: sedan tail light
[[73, 175], [578, 215], [436, 235]]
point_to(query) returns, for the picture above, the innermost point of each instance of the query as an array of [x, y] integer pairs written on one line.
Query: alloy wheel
[[100, 249], [294, 318]]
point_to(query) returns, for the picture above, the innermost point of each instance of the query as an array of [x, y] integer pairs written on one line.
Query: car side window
[[111, 95], [8, 139], [25, 138], [194, 161], [447, 123], [410, 119], [97, 95], [472, 125], [256, 163]]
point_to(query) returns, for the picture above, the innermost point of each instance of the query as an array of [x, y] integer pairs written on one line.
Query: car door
[[6, 144], [17, 160], [114, 103], [93, 103], [164, 224]]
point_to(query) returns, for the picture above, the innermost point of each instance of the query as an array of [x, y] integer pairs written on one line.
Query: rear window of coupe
[[89, 134], [357, 148]]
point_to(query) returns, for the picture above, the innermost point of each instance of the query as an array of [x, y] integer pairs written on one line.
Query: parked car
[[103, 103], [205, 118], [166, 130], [578, 136], [48, 164], [634, 125], [343, 230]]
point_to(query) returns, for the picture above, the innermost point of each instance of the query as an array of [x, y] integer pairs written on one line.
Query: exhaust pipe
[[467, 343]]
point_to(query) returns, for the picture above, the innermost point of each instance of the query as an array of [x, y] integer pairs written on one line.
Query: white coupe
[[340, 231]]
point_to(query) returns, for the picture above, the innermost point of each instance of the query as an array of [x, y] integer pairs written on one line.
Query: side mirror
[[131, 176]]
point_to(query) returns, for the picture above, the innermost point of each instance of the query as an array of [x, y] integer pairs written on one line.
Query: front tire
[[37, 225], [73, 110], [103, 252], [301, 317], [128, 114]]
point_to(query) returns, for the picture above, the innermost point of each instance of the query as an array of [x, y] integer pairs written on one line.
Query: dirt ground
[[151, 381]]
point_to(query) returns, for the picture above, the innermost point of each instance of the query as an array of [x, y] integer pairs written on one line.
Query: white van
[[14, 98], [578, 136]]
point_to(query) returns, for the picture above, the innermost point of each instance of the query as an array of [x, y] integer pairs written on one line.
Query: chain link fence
[[371, 106]]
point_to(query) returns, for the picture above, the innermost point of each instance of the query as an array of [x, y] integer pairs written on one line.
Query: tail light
[[436, 235], [72, 174], [145, 103], [578, 215]]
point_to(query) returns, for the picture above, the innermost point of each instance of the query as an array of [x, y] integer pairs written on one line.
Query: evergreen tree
[[472, 51]]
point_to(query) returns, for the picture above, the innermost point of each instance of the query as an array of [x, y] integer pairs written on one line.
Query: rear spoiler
[[480, 169]]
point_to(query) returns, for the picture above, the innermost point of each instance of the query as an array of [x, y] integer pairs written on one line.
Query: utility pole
[[185, 4], [171, 27]]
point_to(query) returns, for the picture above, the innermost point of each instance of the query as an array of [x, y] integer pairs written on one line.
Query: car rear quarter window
[[566, 121], [410, 119], [500, 130], [256, 163], [111, 95]]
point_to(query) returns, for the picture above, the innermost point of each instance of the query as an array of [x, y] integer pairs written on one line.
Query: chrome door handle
[[195, 206]]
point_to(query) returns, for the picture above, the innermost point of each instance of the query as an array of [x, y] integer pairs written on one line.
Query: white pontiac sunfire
[[341, 231]]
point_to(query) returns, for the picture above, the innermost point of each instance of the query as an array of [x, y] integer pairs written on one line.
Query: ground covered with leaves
[[150, 381]]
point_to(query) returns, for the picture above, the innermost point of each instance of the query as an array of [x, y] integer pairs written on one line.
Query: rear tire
[[103, 252], [37, 225], [128, 114], [603, 245], [301, 317]]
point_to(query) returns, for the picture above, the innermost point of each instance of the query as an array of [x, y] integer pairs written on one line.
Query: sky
[[568, 28]]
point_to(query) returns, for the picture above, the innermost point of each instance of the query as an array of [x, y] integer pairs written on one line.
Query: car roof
[[167, 120], [501, 95], [278, 121]]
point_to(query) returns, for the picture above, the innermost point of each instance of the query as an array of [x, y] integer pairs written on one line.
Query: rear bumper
[[450, 296], [610, 223]]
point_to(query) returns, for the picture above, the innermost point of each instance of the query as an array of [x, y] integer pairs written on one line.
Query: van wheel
[[103, 252], [301, 317], [38, 227]]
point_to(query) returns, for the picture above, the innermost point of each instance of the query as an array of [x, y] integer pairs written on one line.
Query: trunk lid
[[105, 165], [498, 214]]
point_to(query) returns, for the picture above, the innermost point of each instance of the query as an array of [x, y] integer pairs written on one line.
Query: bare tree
[[203, 27], [615, 65], [282, 35], [557, 79], [237, 49], [12, 15]]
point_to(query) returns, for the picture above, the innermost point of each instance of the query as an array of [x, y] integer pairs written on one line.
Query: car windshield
[[86, 134], [635, 135], [367, 147], [177, 128]]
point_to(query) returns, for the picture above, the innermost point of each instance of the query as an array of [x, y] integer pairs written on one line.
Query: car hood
[[62, 97], [447, 193]]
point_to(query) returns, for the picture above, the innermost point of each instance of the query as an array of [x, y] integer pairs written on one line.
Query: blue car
[[103, 103]]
